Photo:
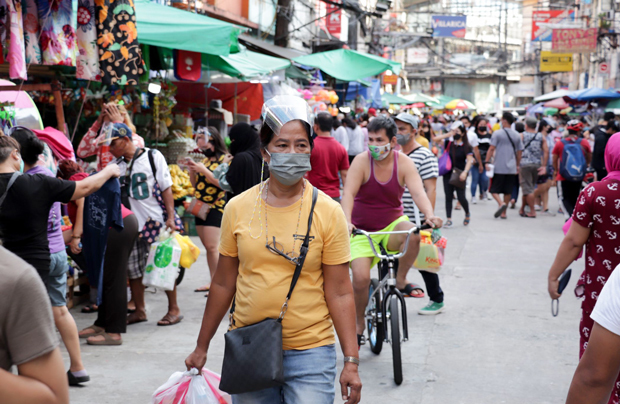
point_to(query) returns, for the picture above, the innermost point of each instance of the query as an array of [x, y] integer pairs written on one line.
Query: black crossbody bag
[[253, 357]]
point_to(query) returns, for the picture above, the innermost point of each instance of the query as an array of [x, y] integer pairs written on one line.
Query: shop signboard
[[449, 26], [333, 19], [556, 62], [541, 32], [417, 56], [574, 40]]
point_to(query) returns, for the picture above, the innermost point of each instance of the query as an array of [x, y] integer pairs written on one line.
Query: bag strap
[[9, 185], [300, 263], [514, 148], [531, 140], [136, 156]]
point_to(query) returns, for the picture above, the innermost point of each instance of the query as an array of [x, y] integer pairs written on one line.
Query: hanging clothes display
[[31, 32], [88, 56], [17, 52], [4, 30], [58, 41], [120, 58]]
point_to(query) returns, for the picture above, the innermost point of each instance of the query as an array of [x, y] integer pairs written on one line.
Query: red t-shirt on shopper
[[558, 149], [327, 159]]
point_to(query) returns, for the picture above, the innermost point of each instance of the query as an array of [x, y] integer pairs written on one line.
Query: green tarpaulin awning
[[419, 97], [169, 27], [348, 65], [443, 100], [394, 99], [245, 64]]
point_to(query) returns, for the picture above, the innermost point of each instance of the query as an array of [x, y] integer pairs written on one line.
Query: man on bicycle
[[373, 202]]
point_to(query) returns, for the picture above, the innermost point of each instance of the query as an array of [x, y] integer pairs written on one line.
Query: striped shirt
[[426, 163]]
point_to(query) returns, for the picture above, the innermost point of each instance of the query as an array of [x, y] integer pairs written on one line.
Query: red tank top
[[378, 204]]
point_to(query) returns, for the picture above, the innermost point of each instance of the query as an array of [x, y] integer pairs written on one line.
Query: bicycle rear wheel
[[395, 339], [373, 325]]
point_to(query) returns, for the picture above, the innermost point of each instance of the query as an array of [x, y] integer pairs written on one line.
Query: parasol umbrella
[[460, 104], [558, 103], [551, 111], [590, 94], [552, 95], [536, 109], [415, 105]]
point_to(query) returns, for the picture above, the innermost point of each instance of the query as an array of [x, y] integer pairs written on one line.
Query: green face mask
[[228, 142], [380, 152]]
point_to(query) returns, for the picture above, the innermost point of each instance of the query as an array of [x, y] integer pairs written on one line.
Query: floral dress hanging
[[58, 41], [17, 52], [88, 56], [120, 57], [30, 17]]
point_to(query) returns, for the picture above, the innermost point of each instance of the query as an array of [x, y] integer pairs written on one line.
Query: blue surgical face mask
[[21, 165]]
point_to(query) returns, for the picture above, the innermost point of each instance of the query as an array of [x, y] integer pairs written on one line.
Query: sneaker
[[538, 208], [431, 309], [549, 213], [474, 200], [488, 196], [447, 224]]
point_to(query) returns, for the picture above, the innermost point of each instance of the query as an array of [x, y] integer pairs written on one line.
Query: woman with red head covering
[[596, 224]]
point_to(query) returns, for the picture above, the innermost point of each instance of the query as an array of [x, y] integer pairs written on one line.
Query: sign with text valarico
[[574, 40], [447, 26], [417, 56], [556, 62]]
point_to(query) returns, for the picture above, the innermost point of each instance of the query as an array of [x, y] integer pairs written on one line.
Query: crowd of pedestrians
[[371, 171]]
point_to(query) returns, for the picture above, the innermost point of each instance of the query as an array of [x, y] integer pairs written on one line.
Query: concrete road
[[495, 343]]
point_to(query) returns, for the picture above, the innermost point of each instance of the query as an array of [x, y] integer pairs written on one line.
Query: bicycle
[[383, 299]]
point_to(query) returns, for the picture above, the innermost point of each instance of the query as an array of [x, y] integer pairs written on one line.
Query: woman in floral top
[[208, 190], [89, 146]]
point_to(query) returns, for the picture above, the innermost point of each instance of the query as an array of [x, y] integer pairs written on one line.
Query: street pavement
[[495, 343]]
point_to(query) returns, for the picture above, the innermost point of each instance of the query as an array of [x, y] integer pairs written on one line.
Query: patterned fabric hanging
[[4, 30], [58, 41], [31, 31], [88, 56], [17, 52], [120, 57]]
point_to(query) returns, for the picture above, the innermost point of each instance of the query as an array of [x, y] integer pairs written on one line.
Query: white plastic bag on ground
[[191, 388]]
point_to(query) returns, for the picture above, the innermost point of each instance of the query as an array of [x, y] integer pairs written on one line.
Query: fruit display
[[181, 185]]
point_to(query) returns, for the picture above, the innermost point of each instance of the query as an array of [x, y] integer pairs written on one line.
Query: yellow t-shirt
[[265, 278], [422, 140]]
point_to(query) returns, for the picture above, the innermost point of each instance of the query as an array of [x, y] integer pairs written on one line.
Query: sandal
[[170, 319], [202, 289], [361, 340], [409, 288], [90, 308], [466, 221], [134, 319], [107, 340], [96, 331], [500, 211]]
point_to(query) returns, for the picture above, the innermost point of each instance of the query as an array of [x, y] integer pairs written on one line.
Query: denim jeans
[[309, 377], [480, 180]]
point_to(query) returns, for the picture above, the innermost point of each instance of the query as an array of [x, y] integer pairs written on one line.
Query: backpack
[[573, 163]]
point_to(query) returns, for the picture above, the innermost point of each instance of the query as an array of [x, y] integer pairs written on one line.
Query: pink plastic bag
[[191, 388]]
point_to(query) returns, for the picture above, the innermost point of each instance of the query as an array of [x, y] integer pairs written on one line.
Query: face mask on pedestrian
[[289, 168], [208, 153], [482, 129], [403, 139], [458, 137], [380, 152]]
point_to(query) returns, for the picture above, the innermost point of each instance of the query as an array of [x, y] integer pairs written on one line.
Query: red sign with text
[[333, 19], [574, 40]]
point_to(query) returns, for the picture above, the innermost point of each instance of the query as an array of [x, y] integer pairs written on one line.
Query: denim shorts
[[57, 284], [309, 378]]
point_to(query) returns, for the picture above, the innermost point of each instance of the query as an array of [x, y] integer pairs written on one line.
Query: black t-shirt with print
[[24, 215]]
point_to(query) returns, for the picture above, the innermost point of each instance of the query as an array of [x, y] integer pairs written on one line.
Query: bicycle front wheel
[[395, 338], [374, 323]]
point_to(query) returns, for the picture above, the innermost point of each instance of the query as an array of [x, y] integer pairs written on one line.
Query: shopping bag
[[445, 162], [191, 388], [162, 265], [189, 251], [429, 258]]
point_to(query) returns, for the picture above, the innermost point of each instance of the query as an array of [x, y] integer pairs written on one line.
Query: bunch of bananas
[[181, 185]]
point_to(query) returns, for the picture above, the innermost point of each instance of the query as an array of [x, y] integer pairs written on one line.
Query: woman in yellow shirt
[[272, 216]]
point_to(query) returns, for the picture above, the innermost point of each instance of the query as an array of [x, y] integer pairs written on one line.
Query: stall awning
[[348, 65], [245, 64], [394, 99], [169, 27], [420, 98], [270, 49], [552, 95]]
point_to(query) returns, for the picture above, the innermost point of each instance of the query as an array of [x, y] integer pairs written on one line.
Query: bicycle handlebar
[[359, 232]]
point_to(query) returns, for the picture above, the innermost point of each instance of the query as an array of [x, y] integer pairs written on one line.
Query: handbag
[[455, 179], [199, 208], [445, 162], [253, 357]]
